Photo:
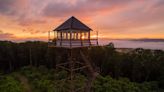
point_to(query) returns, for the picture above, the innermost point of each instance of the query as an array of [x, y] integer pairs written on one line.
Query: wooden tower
[[74, 36]]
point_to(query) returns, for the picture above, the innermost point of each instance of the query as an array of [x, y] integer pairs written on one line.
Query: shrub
[[9, 84]]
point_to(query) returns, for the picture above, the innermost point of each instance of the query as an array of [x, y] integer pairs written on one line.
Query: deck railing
[[54, 42], [72, 43]]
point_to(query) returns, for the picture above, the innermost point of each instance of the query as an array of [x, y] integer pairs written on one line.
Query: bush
[[9, 84], [108, 84]]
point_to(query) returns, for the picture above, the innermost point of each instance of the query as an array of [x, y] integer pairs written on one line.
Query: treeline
[[139, 65], [16, 55]]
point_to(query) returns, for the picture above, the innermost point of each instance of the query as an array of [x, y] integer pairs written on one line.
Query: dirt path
[[24, 82]]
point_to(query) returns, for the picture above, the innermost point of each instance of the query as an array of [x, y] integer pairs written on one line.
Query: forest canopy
[[139, 70]]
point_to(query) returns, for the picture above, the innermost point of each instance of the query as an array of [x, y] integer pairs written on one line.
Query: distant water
[[134, 44]]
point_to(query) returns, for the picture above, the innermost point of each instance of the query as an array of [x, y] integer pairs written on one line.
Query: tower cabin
[[72, 34]]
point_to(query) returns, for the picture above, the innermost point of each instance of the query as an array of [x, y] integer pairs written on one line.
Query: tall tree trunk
[[10, 66], [30, 57]]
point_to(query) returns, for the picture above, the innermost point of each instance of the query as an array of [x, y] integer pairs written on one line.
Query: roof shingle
[[74, 24]]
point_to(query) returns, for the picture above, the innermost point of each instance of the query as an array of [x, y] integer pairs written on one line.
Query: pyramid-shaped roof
[[74, 24]]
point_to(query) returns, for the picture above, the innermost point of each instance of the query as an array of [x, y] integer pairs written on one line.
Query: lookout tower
[[74, 38], [72, 34]]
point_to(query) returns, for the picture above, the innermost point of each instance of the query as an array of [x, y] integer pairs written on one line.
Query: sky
[[22, 20]]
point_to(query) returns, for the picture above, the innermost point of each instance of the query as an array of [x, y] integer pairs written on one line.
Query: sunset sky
[[22, 20]]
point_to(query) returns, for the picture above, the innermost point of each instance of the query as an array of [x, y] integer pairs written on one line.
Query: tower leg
[[73, 65], [71, 72]]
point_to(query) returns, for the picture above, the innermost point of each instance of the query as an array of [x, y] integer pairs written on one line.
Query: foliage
[[108, 84], [9, 84], [44, 80], [143, 68]]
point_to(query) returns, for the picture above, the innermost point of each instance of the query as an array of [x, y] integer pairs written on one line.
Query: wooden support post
[[71, 39], [71, 67], [60, 38], [30, 57], [54, 36], [71, 72], [97, 39], [48, 36], [57, 35], [76, 35], [66, 35], [89, 38], [81, 39]]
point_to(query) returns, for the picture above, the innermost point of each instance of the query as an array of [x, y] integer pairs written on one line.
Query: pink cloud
[[110, 16], [6, 36], [81, 7]]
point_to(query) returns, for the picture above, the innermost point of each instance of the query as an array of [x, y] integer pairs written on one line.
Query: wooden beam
[[57, 35], [48, 35], [71, 39], [89, 37], [83, 67], [66, 35], [81, 39], [76, 35], [79, 63], [63, 64], [60, 38], [63, 68], [97, 38], [54, 35]]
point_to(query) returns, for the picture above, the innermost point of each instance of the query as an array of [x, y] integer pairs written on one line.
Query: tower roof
[[74, 24]]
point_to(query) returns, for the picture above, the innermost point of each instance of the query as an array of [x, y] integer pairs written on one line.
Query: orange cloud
[[32, 19]]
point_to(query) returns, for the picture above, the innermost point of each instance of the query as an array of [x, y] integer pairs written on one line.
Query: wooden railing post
[[81, 39], [71, 39], [97, 39], [48, 35], [60, 38], [89, 37]]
